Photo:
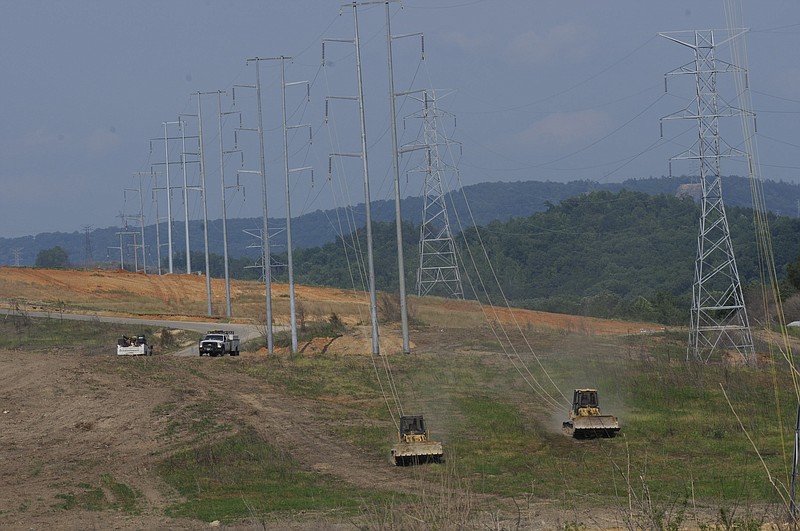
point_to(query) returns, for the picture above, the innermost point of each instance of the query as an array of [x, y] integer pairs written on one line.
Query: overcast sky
[[540, 90]]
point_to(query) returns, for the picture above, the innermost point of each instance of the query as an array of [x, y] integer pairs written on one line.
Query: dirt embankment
[[174, 296]]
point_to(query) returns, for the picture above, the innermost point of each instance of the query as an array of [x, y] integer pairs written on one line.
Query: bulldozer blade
[[415, 453], [605, 426]]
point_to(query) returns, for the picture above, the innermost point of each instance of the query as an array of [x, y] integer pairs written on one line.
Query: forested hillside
[[625, 254], [490, 201]]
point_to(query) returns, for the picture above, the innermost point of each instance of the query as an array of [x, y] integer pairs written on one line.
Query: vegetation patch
[[308, 330], [189, 415], [20, 331], [107, 494], [141, 370], [245, 477], [341, 378], [495, 448], [349, 395]]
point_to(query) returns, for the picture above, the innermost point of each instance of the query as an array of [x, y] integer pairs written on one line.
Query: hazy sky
[[543, 90]]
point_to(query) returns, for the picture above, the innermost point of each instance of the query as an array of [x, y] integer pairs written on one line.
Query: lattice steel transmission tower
[[139, 217], [88, 254], [438, 271], [718, 314]]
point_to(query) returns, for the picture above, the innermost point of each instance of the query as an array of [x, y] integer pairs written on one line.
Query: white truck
[[133, 346], [219, 343]]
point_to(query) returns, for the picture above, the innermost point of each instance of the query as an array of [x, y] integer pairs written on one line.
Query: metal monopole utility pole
[[396, 169], [224, 210], [203, 191], [265, 251], [185, 196], [169, 194], [373, 302]]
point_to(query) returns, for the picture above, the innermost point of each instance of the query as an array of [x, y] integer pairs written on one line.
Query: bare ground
[[69, 420]]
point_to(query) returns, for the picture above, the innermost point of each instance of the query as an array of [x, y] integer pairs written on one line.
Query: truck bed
[[134, 350]]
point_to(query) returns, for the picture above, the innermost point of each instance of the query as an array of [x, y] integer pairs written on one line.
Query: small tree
[[793, 274], [55, 257], [166, 339], [389, 310]]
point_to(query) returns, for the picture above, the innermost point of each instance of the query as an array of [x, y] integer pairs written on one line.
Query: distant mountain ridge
[[490, 201]]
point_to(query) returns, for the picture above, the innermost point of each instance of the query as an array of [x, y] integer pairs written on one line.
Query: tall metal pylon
[[201, 157], [186, 187], [355, 41], [222, 153], [718, 314], [169, 188], [438, 271], [154, 196], [16, 253], [287, 172], [266, 259], [140, 219], [401, 268], [88, 255]]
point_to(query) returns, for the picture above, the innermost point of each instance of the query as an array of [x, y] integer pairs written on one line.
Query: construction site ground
[[75, 422]]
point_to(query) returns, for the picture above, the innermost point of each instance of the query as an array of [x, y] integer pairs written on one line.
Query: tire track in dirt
[[69, 420]]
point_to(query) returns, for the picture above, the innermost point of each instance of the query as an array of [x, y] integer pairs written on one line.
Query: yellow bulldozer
[[585, 420], [414, 445]]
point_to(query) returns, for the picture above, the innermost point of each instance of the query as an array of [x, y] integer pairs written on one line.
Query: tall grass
[[20, 332]]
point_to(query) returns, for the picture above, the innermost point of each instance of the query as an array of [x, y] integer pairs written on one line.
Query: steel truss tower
[[140, 219], [718, 314], [438, 271], [16, 252], [88, 255]]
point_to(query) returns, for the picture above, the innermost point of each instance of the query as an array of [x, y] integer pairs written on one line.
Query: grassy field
[[92, 337], [681, 450], [681, 442], [678, 430], [243, 475]]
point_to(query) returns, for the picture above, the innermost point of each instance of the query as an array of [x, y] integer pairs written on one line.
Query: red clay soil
[[172, 295]]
